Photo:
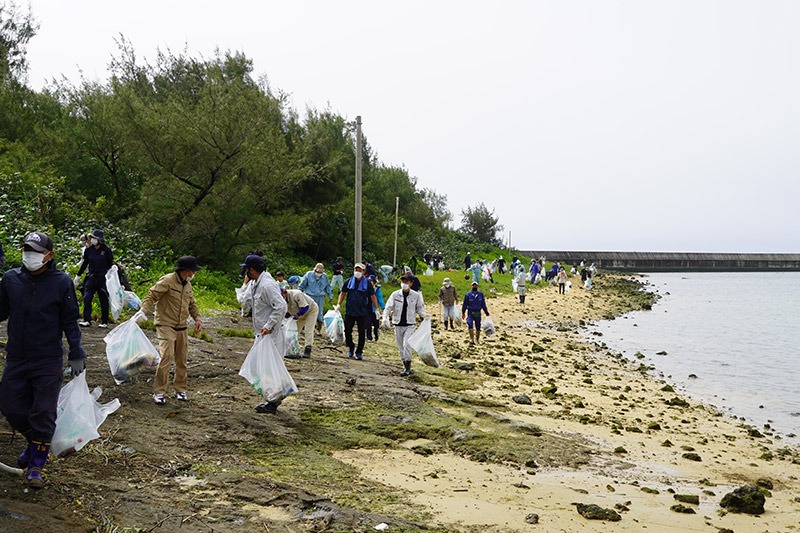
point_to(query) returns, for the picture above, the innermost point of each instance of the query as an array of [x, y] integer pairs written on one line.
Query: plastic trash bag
[[568, 286], [264, 369], [78, 416], [130, 299], [488, 326], [422, 343], [514, 284], [292, 342], [243, 293], [485, 274], [457, 320], [428, 272], [116, 296], [128, 351], [334, 325]]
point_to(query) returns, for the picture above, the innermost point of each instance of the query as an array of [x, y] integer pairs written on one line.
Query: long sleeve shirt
[[174, 301], [98, 260], [448, 296], [474, 301], [414, 305], [267, 304], [316, 286]]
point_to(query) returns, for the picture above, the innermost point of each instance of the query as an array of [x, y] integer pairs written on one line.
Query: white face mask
[[358, 274], [33, 261], [93, 241], [446, 283], [405, 286], [189, 277]]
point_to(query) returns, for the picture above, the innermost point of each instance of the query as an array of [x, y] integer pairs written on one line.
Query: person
[[589, 276], [98, 258], [40, 304], [316, 285], [338, 270], [282, 283], [467, 261], [448, 296], [562, 280], [302, 308], [294, 281], [474, 302], [415, 283], [268, 309], [522, 277], [174, 303], [501, 264], [413, 264], [402, 306], [584, 273], [375, 326], [2, 257], [427, 257], [386, 272], [476, 271], [369, 270], [573, 271], [358, 310]]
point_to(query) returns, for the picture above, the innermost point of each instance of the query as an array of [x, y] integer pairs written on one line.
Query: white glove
[[385, 324], [139, 316], [377, 314], [335, 307], [77, 280]]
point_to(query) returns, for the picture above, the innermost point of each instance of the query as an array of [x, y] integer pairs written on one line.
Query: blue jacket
[[40, 309], [98, 260], [316, 286], [474, 301], [359, 293]]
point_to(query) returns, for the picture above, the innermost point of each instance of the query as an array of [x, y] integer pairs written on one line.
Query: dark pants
[[373, 327], [95, 283], [29, 395], [561, 288], [362, 322]]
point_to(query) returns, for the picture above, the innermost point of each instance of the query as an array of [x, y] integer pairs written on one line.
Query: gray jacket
[[267, 304]]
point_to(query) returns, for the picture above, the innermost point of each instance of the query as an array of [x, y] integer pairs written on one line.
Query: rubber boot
[[269, 408], [477, 336], [471, 336], [451, 324], [445, 324], [307, 353], [25, 457], [319, 326], [39, 451], [406, 368]]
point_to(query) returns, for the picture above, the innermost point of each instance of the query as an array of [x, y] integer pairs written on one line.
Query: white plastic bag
[[264, 369], [78, 416], [428, 272], [457, 319], [243, 293], [422, 343], [514, 284], [128, 351], [488, 326], [131, 299], [116, 295], [334, 326], [568, 286], [292, 342]]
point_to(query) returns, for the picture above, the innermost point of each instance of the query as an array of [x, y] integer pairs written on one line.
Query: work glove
[[377, 314], [77, 280], [463, 316], [76, 366], [139, 316], [335, 307], [385, 324]]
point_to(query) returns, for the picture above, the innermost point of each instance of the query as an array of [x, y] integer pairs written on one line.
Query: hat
[[372, 278], [319, 267], [475, 283], [187, 262], [338, 258], [98, 233], [294, 280], [445, 280], [39, 242], [252, 261], [279, 274], [406, 277], [358, 265]]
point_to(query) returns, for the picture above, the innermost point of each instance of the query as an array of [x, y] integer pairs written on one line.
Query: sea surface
[[738, 333]]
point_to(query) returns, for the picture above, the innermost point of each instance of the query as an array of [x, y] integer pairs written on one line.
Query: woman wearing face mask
[[474, 302], [447, 299], [403, 305], [174, 300], [315, 284], [359, 309], [98, 258]]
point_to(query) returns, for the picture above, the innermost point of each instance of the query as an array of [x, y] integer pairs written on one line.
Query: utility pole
[[358, 192], [396, 214]]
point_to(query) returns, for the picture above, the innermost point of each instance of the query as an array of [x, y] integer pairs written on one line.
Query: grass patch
[[203, 336]]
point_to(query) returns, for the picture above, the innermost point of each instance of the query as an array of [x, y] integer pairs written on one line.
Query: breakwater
[[674, 261]]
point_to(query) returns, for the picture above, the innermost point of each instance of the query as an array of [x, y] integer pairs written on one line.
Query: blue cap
[[252, 261]]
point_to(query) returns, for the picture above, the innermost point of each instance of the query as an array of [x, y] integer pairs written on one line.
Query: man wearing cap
[[338, 270], [360, 303], [474, 302], [40, 304], [403, 305], [316, 285], [447, 299], [302, 308], [174, 300], [98, 258], [268, 308]]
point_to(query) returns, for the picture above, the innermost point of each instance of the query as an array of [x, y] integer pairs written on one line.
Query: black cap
[[406, 277], [252, 261], [38, 241], [188, 262], [98, 233]]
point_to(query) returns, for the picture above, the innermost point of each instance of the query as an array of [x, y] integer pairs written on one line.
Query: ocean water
[[739, 333]]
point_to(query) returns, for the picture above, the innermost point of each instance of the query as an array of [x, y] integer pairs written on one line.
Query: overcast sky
[[587, 125]]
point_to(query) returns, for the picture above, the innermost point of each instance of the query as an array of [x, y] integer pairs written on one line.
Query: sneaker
[[267, 408], [358, 357], [84, 323], [103, 325], [350, 353], [306, 353], [159, 399], [292, 356], [182, 396]]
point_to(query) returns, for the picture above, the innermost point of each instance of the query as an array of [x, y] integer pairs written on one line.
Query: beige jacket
[[174, 302], [296, 300]]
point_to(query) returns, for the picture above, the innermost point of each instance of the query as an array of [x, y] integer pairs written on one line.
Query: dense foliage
[[187, 155]]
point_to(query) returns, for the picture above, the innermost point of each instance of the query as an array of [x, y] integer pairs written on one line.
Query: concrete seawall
[[674, 261]]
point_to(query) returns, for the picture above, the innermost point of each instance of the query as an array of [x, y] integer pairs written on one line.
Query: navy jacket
[[40, 309], [474, 301], [359, 296], [98, 260]]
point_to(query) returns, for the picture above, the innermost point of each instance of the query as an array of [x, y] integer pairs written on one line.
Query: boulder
[[746, 499], [595, 512], [522, 399]]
